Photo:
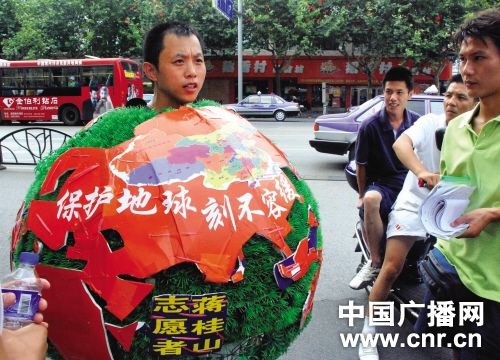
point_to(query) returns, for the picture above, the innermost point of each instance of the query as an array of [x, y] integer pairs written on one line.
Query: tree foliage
[[74, 28], [474, 6], [366, 30], [219, 34], [9, 25], [426, 32], [417, 30], [283, 28], [110, 27], [362, 31]]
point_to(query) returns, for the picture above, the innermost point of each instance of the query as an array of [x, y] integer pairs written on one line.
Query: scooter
[[409, 286]]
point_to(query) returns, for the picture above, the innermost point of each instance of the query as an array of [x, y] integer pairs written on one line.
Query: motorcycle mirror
[[439, 135], [350, 175]]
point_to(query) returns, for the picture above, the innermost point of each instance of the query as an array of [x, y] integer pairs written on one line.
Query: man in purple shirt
[[380, 174]]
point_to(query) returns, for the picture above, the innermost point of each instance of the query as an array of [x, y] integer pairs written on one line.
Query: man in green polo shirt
[[471, 149]]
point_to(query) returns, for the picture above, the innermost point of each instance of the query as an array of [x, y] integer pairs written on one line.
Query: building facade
[[304, 78]]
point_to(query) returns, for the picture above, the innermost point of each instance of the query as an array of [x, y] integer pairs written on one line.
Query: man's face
[[456, 101], [396, 96], [181, 70], [93, 95], [103, 93], [480, 67]]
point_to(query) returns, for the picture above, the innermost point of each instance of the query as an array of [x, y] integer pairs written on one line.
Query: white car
[[148, 97], [265, 105]]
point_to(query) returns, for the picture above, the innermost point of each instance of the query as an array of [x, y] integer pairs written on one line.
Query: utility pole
[[240, 50], [225, 7]]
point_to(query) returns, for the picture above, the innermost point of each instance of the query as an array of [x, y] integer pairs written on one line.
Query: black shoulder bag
[[443, 284]]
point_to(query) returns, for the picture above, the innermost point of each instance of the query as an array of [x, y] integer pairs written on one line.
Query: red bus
[[68, 90]]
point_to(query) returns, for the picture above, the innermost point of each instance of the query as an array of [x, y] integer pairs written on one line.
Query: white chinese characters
[[176, 200]]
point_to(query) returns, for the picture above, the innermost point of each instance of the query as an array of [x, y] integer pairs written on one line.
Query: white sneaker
[[367, 352], [366, 275]]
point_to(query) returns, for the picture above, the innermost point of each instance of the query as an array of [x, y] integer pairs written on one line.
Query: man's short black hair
[[399, 73], [136, 102], [457, 78], [153, 42], [485, 24]]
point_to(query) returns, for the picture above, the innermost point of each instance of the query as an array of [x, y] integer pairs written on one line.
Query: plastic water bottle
[[26, 285]]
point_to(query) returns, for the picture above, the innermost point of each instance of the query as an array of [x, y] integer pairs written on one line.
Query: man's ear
[[150, 71]]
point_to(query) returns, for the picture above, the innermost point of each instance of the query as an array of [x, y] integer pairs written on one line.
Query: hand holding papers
[[446, 202]]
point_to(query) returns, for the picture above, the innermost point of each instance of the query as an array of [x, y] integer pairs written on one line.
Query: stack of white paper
[[446, 202]]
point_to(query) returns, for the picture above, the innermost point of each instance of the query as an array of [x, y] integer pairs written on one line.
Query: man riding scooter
[[379, 173], [416, 148]]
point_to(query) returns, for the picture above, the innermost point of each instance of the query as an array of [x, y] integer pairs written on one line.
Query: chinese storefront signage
[[328, 67], [313, 70]]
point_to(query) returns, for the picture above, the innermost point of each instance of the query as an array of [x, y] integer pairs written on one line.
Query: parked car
[[148, 97], [337, 133], [265, 105]]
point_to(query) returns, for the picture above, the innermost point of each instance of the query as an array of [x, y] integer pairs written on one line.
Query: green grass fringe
[[261, 321]]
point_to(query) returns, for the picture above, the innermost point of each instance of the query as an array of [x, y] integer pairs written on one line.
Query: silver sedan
[[265, 105]]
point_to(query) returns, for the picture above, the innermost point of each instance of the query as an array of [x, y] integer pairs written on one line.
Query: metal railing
[[28, 146]]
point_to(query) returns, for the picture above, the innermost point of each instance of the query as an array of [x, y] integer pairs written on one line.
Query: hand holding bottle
[[28, 342], [26, 287], [9, 299]]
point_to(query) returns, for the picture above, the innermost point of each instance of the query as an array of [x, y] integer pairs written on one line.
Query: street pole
[[324, 97], [240, 50]]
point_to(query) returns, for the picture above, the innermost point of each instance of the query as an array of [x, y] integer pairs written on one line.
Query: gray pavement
[[14, 184], [320, 339]]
